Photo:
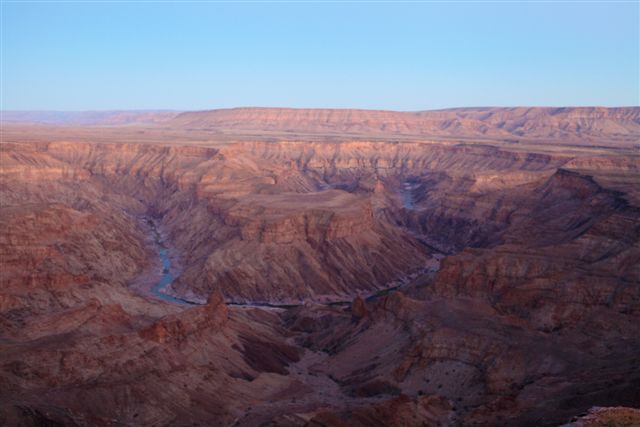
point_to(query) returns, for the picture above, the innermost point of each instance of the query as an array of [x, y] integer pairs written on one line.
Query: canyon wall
[[387, 282]]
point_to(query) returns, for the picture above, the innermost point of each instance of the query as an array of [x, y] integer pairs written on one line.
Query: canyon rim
[[319, 213]]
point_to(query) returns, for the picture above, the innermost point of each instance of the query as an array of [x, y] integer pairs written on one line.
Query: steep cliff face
[[341, 218], [61, 245], [314, 207], [572, 249]]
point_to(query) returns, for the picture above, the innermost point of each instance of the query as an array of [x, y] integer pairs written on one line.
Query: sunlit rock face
[[342, 267], [474, 122]]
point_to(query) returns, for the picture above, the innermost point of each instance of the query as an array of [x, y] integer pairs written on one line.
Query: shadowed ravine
[[166, 279], [407, 196], [158, 290]]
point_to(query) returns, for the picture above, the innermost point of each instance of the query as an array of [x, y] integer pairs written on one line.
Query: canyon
[[283, 267]]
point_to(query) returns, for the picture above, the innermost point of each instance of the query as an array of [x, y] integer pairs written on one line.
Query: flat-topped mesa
[[478, 122], [351, 158], [485, 122], [328, 215]]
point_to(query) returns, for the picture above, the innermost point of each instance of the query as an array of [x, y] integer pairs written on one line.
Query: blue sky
[[401, 56]]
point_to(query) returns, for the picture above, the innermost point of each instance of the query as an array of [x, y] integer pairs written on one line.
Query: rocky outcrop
[[494, 368], [601, 417], [359, 308], [209, 319]]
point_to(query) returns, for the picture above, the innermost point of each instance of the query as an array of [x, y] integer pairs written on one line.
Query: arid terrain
[[283, 267]]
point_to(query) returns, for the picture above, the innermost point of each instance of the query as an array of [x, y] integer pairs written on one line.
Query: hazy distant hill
[[87, 118], [576, 125], [491, 122]]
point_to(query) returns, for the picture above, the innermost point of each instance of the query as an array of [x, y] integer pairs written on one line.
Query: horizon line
[[171, 110]]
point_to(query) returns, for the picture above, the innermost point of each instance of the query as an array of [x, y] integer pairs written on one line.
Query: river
[[159, 289], [407, 194], [165, 280]]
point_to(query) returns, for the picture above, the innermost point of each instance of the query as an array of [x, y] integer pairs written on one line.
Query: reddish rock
[[604, 417], [530, 318], [359, 308]]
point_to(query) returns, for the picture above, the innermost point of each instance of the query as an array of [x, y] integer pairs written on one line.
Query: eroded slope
[[529, 318]]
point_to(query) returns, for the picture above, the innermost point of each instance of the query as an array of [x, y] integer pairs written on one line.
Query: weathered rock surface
[[491, 281], [601, 417]]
